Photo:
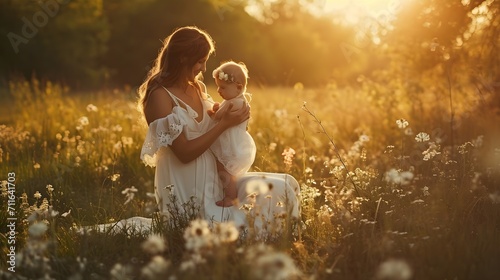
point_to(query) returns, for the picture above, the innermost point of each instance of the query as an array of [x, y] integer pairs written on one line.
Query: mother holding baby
[[177, 109]]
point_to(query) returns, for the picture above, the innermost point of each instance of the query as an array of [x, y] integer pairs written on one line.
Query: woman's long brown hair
[[180, 52]]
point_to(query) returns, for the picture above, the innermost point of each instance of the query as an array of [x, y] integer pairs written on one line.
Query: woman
[[176, 106]]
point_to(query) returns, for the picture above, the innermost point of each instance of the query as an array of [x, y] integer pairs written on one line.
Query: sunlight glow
[[354, 11]]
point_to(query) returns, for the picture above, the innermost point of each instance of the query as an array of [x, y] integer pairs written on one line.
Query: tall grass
[[387, 192]]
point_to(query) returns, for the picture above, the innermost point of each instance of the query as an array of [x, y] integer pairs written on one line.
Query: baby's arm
[[220, 111]]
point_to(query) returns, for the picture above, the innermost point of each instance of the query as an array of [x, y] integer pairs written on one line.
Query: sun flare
[[353, 11]]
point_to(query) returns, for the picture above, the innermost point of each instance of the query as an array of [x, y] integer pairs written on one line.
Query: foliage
[[105, 43], [58, 40], [387, 190]]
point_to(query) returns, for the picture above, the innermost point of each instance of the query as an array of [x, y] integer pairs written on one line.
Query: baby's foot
[[225, 202]]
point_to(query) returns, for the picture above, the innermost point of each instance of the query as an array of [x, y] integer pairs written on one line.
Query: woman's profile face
[[199, 67]]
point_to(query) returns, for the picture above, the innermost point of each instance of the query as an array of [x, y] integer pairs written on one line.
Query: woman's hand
[[231, 118]]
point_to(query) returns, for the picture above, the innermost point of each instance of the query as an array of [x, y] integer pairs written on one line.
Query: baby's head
[[231, 79]]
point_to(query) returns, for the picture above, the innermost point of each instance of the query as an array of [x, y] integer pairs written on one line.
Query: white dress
[[235, 147], [199, 179]]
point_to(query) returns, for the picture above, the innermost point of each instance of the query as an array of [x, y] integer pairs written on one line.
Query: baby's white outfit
[[235, 148]]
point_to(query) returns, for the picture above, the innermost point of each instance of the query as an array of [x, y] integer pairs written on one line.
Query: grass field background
[[397, 182]]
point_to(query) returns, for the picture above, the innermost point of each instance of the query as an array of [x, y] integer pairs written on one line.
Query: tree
[[58, 40]]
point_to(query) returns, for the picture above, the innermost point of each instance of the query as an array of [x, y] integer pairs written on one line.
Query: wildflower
[[272, 146], [226, 232], [431, 152], [192, 263], [281, 113], [129, 194], [127, 141], [37, 229], [426, 191], [478, 142], [364, 138], [402, 123], [495, 197], [256, 186], [117, 128], [4, 189], [91, 108], [393, 269], [83, 121], [119, 272], [36, 165], [115, 177], [154, 245], [156, 268], [37, 195], [298, 86], [274, 266], [397, 177], [422, 137], [49, 188], [197, 235], [288, 155], [65, 214], [51, 212]]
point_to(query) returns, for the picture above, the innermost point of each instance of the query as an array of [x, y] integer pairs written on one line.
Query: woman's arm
[[160, 105]]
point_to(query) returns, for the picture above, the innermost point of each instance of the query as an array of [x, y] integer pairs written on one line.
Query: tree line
[[91, 43]]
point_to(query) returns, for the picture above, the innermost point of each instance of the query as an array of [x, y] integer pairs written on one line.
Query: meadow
[[397, 182]]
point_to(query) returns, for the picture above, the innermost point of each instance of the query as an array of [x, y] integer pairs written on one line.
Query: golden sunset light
[[250, 139]]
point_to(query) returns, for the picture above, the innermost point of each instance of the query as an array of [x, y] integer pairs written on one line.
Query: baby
[[235, 148]]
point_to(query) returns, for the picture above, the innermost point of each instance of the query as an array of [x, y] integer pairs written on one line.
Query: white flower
[[115, 177], [257, 186], [495, 197], [394, 270], [154, 245], [91, 108], [65, 214], [37, 195], [37, 229], [402, 123], [129, 194], [198, 235], [156, 268], [274, 266], [398, 177], [422, 137], [431, 152], [83, 121], [364, 138], [226, 232]]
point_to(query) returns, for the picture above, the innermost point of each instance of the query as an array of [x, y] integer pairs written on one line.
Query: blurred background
[[99, 44]]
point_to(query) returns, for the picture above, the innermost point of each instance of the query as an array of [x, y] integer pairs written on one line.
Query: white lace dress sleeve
[[161, 133]]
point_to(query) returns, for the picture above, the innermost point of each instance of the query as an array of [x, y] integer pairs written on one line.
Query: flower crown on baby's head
[[232, 72], [219, 74]]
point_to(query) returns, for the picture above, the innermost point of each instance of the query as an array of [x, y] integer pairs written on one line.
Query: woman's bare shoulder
[[158, 106]]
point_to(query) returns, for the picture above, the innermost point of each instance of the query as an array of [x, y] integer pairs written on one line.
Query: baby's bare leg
[[228, 185]]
